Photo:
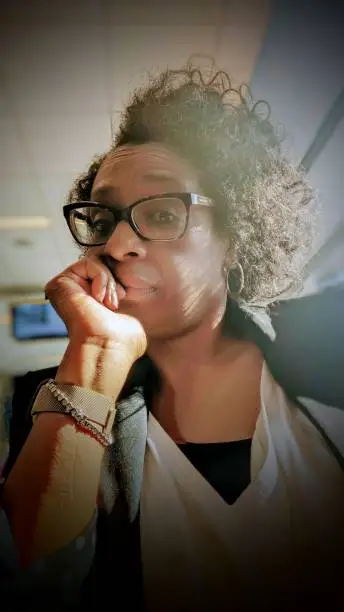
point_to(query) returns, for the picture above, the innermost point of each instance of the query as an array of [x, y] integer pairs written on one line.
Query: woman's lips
[[135, 294], [134, 289], [134, 283], [138, 275]]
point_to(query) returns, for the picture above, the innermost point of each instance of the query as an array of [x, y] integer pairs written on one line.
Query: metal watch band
[[86, 406]]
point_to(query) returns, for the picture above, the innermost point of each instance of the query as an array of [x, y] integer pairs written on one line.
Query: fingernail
[[102, 294], [114, 297]]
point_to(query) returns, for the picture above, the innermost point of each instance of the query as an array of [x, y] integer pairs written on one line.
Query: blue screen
[[31, 321]]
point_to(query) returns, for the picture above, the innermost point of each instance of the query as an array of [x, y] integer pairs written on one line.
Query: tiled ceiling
[[66, 73], [66, 69]]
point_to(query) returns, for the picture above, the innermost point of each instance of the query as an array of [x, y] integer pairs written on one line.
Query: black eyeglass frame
[[126, 214]]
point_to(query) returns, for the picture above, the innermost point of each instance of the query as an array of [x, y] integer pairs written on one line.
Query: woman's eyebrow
[[106, 191], [160, 176], [111, 193]]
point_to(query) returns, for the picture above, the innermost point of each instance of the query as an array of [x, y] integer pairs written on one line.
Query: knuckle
[[49, 287], [54, 285]]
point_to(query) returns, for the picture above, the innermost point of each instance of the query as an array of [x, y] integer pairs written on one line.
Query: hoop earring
[[238, 281]]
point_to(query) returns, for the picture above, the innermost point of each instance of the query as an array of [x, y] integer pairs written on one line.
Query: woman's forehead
[[151, 162]]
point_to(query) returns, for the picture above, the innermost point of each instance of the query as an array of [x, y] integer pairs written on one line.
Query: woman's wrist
[[97, 364], [92, 411]]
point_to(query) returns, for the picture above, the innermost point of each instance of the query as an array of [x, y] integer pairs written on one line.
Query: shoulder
[[307, 356], [313, 418], [329, 418]]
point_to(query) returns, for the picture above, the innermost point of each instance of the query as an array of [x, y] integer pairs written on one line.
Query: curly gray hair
[[264, 204]]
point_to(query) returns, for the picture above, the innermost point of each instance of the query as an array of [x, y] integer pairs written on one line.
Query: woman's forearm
[[51, 493]]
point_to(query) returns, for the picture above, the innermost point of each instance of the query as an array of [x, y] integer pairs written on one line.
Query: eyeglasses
[[161, 217]]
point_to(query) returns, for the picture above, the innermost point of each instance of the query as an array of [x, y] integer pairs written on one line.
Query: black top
[[225, 465]]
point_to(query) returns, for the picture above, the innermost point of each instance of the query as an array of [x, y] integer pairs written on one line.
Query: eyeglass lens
[[156, 219]]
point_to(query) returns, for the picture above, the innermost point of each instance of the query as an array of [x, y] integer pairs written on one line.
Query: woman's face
[[171, 286]]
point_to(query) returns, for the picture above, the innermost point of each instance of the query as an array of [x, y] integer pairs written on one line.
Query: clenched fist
[[86, 296]]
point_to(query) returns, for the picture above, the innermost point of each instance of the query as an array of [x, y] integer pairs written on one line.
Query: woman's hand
[[103, 344], [86, 296]]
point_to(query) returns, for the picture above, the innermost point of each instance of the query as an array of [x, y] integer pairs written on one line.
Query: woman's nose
[[124, 243]]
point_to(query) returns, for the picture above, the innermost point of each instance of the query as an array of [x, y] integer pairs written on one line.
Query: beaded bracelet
[[64, 406]]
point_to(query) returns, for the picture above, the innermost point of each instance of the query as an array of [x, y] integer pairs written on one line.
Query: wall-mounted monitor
[[35, 321]]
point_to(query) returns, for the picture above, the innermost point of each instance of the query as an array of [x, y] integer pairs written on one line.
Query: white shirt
[[285, 529]]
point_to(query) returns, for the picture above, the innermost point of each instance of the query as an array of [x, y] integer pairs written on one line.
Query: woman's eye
[[164, 216], [101, 226]]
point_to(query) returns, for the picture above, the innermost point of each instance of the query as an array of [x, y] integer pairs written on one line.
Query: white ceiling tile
[[241, 37], [247, 15], [54, 70], [38, 12], [65, 144], [13, 156], [29, 266], [68, 250], [237, 50], [20, 195], [4, 104], [55, 188], [134, 51], [156, 12]]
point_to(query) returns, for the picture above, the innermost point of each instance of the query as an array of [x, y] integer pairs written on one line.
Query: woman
[[212, 472]]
